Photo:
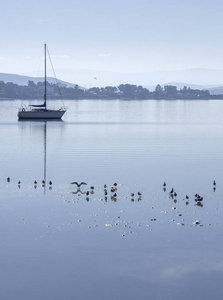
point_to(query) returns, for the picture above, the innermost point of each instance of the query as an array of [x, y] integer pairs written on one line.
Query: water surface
[[59, 244]]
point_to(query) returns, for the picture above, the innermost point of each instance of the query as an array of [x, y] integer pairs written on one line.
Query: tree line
[[33, 90]]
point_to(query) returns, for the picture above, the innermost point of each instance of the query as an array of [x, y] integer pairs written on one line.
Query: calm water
[[59, 243]]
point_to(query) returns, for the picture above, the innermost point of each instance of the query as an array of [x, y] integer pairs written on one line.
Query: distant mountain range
[[194, 78], [23, 80]]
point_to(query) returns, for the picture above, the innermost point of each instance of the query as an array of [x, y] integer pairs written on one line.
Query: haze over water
[[57, 244]]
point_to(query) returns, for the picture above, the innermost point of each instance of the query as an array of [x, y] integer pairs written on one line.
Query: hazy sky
[[115, 35]]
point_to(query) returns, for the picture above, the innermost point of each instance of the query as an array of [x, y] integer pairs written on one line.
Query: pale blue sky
[[122, 36]]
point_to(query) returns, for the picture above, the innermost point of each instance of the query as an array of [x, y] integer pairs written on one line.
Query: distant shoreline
[[35, 91], [101, 99]]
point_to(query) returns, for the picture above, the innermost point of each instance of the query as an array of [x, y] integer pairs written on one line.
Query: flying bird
[[78, 184]]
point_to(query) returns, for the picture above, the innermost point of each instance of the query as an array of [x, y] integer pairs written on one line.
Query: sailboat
[[41, 111]]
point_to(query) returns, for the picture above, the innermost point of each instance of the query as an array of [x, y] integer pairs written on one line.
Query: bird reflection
[[199, 204], [79, 191]]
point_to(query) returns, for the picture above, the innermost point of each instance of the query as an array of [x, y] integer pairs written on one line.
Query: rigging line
[[39, 63], [34, 75], [38, 77], [55, 76]]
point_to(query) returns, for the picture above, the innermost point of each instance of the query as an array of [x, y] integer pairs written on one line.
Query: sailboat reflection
[[41, 126], [44, 172]]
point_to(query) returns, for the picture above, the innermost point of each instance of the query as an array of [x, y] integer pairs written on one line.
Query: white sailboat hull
[[40, 114]]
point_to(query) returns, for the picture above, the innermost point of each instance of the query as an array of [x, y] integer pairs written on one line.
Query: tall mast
[[45, 75]]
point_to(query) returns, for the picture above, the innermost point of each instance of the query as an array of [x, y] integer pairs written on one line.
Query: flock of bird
[[117, 191], [35, 182], [197, 198], [114, 189]]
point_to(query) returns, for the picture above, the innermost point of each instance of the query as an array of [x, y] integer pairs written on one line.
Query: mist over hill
[[23, 80], [193, 78]]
